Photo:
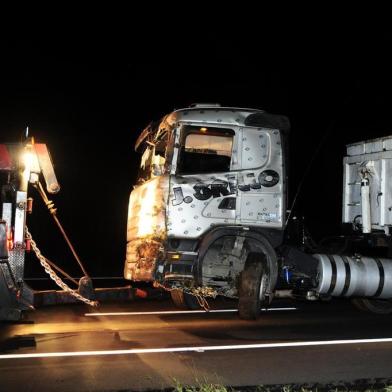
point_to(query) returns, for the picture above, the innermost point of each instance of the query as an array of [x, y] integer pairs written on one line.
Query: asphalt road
[[64, 349]]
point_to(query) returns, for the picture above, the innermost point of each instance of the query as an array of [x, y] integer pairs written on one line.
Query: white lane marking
[[191, 349], [177, 312]]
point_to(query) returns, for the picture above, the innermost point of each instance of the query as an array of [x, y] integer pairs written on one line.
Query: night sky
[[89, 96]]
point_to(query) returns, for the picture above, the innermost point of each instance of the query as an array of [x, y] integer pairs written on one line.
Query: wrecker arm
[[21, 164]]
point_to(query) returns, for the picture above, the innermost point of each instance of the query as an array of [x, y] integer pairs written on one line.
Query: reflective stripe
[[197, 349], [178, 312]]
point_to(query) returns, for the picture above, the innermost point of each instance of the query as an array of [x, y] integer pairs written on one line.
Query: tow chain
[[199, 292], [48, 269]]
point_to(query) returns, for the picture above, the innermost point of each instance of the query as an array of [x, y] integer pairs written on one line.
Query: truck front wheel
[[378, 306], [254, 280]]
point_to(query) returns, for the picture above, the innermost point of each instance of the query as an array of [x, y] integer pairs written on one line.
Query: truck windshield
[[205, 150]]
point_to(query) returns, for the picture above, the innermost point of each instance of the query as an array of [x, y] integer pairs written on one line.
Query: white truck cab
[[210, 176]]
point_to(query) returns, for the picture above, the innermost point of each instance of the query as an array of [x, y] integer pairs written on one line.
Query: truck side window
[[205, 150]]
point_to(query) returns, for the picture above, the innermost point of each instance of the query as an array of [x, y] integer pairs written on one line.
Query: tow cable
[[50, 205], [49, 266]]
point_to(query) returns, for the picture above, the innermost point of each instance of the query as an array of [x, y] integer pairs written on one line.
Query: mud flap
[[9, 310]]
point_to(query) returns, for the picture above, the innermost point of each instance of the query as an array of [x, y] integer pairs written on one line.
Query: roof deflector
[[205, 105], [268, 120]]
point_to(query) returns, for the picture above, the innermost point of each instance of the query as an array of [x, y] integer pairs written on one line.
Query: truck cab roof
[[203, 113], [214, 113]]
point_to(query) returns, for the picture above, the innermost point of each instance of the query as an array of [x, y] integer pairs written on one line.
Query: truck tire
[[184, 300], [253, 286], [377, 306]]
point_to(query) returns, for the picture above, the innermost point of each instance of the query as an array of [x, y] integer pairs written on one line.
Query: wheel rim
[[263, 287]]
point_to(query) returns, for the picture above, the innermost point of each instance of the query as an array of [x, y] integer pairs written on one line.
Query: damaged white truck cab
[[208, 216], [210, 199]]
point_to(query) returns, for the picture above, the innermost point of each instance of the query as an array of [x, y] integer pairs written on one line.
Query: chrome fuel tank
[[354, 277]]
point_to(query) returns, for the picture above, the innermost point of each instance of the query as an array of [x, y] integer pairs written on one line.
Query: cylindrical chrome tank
[[343, 276]]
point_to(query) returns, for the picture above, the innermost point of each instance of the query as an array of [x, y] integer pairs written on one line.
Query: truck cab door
[[203, 180], [260, 178]]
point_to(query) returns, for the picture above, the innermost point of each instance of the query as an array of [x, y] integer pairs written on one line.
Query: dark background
[[88, 96]]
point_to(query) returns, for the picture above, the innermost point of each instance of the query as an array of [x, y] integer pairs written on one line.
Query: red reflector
[[10, 244], [10, 240], [5, 159], [29, 205], [28, 246], [141, 293]]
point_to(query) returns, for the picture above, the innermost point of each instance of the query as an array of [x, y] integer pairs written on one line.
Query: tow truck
[[22, 167], [208, 215]]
